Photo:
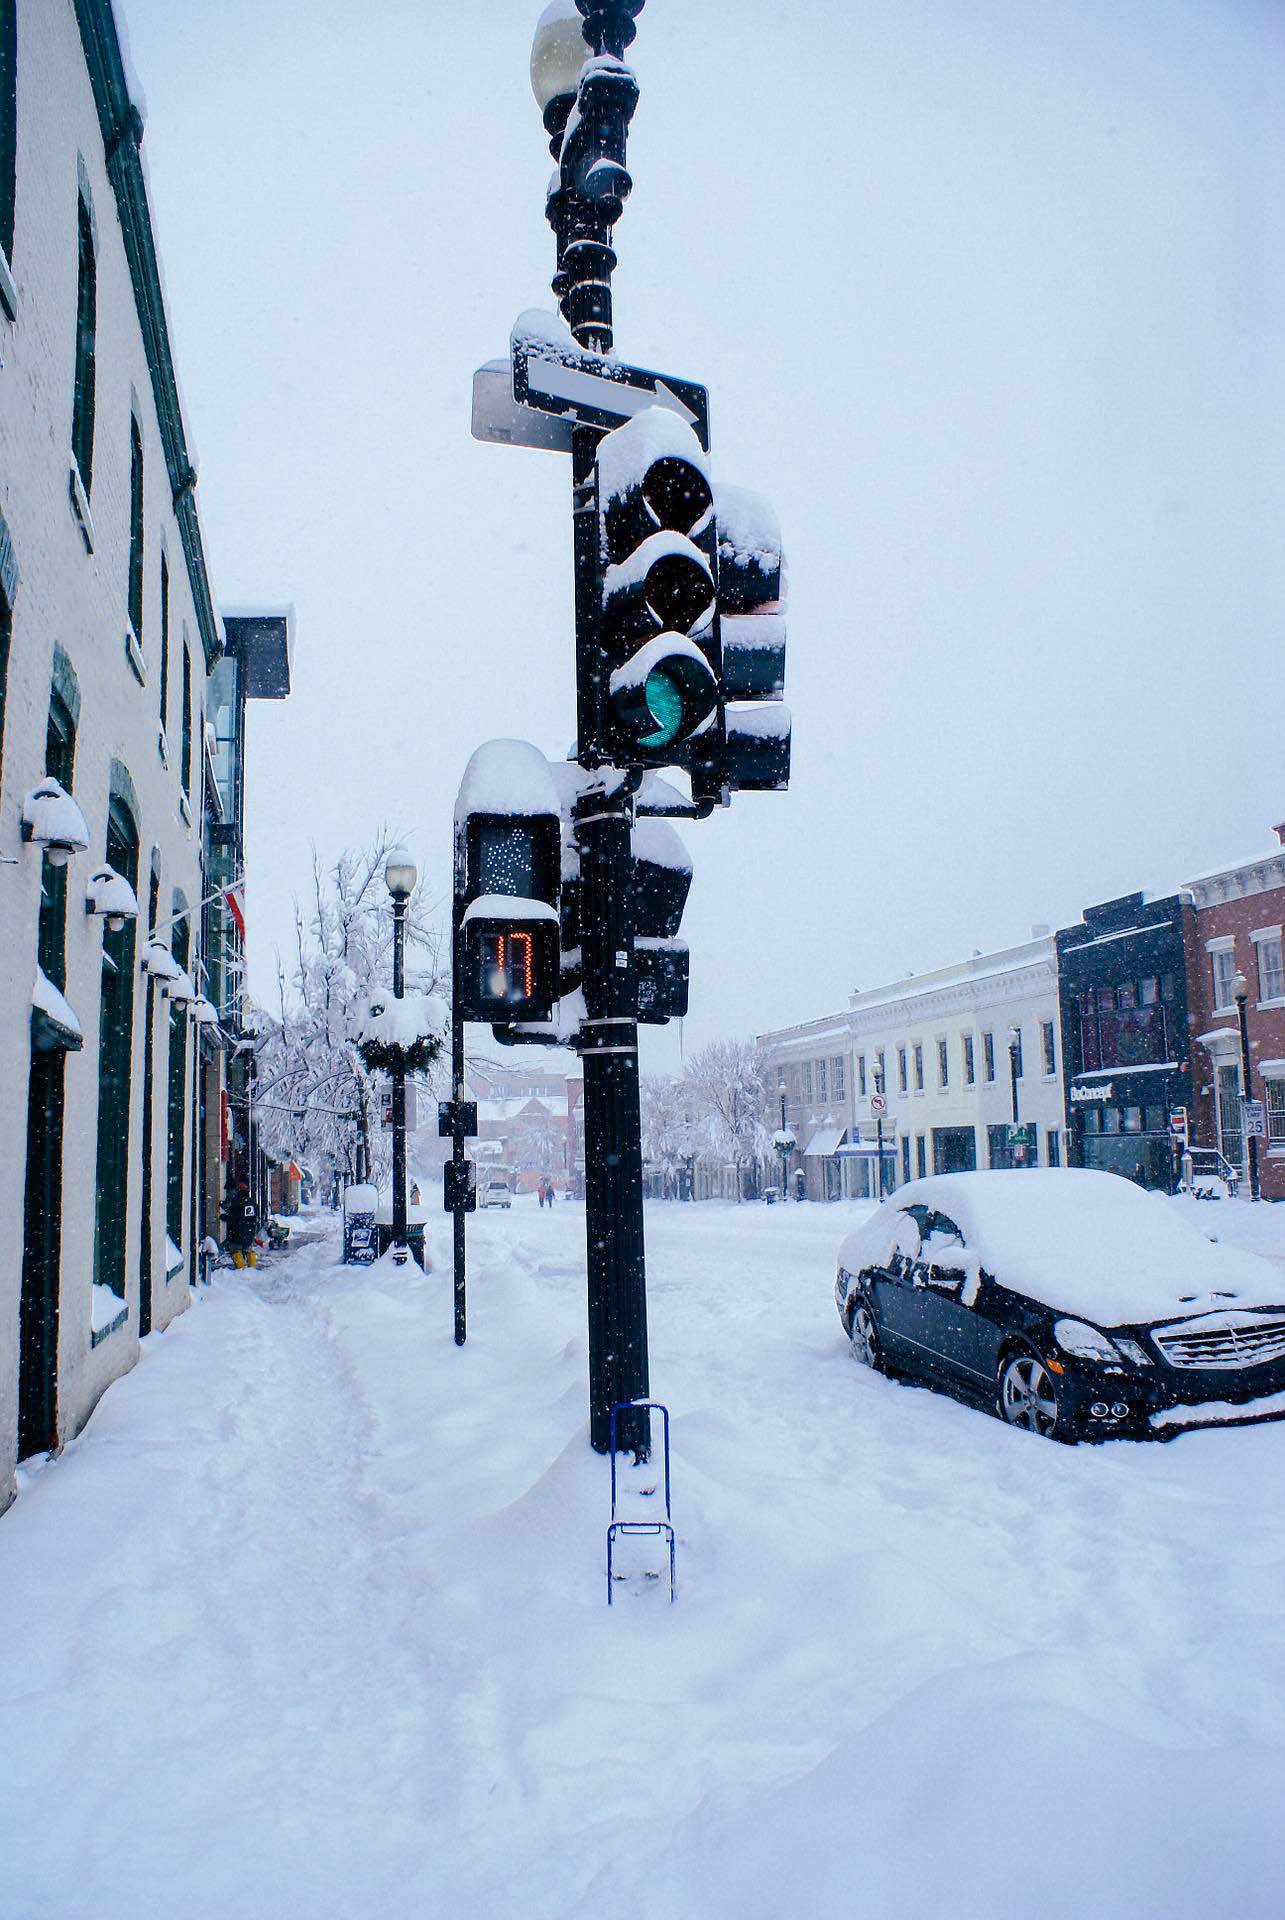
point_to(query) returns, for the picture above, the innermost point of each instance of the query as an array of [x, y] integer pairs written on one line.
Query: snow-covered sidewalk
[[310, 1621]]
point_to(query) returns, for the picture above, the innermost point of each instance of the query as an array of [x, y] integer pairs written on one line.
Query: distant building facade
[[1238, 917], [1127, 1034]]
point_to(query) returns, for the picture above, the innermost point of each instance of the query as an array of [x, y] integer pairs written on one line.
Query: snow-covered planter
[[110, 896], [406, 1033], [52, 820]]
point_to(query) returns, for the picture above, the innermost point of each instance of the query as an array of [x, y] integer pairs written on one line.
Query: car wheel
[[865, 1339], [1028, 1395]]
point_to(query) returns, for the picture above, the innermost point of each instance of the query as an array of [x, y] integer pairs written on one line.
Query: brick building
[[1239, 914]]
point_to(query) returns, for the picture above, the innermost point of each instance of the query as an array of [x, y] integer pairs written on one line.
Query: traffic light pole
[[459, 1218]]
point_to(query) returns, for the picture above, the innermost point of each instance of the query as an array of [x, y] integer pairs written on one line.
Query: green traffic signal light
[[664, 694]]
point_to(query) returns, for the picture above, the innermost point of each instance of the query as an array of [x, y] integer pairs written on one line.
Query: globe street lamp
[[400, 876], [785, 1142], [1240, 994]]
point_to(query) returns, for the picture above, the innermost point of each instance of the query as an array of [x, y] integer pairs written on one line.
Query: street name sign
[[596, 392]]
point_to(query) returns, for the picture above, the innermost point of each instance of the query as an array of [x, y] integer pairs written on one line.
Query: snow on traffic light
[[752, 586], [657, 670], [506, 884]]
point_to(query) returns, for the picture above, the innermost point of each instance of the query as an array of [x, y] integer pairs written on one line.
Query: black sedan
[[1075, 1304]]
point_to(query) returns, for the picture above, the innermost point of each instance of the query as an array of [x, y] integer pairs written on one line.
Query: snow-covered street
[[331, 1593]]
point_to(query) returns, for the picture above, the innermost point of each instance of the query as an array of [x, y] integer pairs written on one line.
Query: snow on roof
[[1091, 1244], [656, 433], [507, 776]]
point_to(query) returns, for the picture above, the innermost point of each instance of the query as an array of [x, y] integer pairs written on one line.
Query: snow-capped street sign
[[498, 418], [596, 392], [878, 1105]]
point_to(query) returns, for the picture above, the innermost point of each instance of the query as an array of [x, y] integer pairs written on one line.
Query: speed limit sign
[[878, 1105]]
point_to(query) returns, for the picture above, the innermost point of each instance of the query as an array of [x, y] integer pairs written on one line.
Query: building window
[[1015, 1052], [988, 1054], [905, 1154], [185, 754], [165, 642], [136, 528], [822, 1081], [8, 134], [919, 1066], [970, 1063], [838, 1079], [901, 1075], [1054, 1142], [60, 760], [1223, 961], [806, 1072], [943, 1064], [880, 1084], [861, 1075], [82, 409], [921, 1155], [1271, 978], [1049, 1046], [115, 1033], [1275, 1112]]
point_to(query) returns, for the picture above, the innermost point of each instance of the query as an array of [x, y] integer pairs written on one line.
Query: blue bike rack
[[654, 1529]]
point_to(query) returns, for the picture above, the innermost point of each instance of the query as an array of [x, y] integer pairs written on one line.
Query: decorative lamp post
[[400, 876], [785, 1142], [1240, 994]]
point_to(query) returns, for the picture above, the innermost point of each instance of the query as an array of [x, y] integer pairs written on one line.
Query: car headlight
[[1086, 1342]]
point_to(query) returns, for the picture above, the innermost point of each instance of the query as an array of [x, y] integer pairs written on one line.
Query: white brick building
[[107, 633], [941, 1048]]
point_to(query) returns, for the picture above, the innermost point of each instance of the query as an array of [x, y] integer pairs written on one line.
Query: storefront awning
[[824, 1142], [866, 1149]]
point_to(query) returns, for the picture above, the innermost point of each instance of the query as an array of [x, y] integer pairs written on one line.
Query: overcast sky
[[988, 297]]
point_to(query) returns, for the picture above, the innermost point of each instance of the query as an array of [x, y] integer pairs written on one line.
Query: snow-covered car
[[1076, 1304], [496, 1194]]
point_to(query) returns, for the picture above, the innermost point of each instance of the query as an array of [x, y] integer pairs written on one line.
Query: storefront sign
[[1081, 1094]]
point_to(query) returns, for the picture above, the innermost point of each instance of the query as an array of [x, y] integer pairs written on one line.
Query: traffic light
[[506, 885], [662, 882], [752, 585], [657, 666]]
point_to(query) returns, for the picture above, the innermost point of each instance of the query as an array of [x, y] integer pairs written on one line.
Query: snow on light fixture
[[111, 897], [159, 964], [558, 52], [52, 821], [182, 989], [204, 1012], [400, 873]]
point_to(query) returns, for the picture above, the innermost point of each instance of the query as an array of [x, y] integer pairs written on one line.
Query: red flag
[[235, 897]]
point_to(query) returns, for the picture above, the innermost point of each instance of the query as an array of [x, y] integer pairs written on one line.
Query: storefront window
[[1276, 1112], [1133, 1119]]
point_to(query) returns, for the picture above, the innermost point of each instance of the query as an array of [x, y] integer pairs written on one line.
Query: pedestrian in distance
[[238, 1211]]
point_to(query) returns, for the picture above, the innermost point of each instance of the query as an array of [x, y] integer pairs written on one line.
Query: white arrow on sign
[[608, 396]]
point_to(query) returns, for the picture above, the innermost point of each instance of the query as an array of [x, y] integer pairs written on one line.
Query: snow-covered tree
[[727, 1083], [313, 1090], [671, 1135]]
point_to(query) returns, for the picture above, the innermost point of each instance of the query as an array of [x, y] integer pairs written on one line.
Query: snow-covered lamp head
[[400, 874], [1239, 988], [558, 52], [52, 821], [111, 897]]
